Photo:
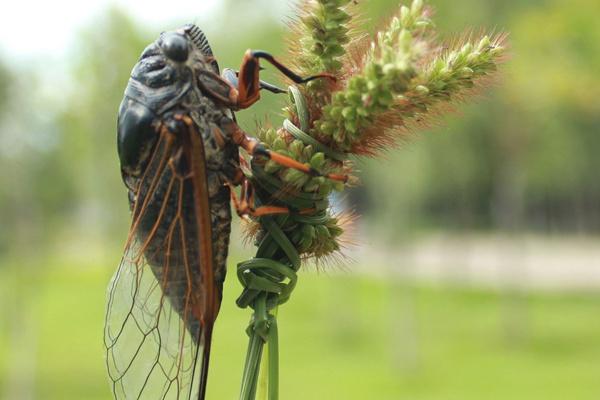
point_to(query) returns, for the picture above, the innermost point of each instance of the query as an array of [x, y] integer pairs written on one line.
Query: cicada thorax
[[159, 176]]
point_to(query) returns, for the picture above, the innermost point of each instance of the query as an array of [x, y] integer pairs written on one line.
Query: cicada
[[179, 149]]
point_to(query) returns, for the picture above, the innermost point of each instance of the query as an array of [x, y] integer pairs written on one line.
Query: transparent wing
[[150, 353], [157, 335]]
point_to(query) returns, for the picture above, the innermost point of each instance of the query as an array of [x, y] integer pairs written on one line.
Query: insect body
[[178, 144]]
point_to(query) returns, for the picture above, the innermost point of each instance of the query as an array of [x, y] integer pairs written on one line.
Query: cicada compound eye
[[175, 46]]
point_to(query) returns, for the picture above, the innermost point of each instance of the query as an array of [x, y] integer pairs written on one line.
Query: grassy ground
[[342, 337]]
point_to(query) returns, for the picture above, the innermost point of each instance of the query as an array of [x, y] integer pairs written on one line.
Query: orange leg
[[232, 77], [239, 90], [249, 84], [245, 206], [255, 148]]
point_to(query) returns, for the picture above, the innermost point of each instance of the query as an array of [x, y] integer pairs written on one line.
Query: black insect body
[[178, 144], [162, 84]]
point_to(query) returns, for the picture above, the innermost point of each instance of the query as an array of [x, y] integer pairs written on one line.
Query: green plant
[[385, 87]]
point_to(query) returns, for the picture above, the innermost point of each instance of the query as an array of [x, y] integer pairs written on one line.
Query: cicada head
[[188, 46], [159, 81], [173, 57]]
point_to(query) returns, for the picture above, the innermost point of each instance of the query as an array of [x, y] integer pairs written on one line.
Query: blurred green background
[[476, 273]]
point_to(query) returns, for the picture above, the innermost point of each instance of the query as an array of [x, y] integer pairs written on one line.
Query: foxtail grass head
[[388, 85]]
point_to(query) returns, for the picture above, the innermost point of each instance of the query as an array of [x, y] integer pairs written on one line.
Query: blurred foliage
[[523, 158], [102, 59], [4, 86]]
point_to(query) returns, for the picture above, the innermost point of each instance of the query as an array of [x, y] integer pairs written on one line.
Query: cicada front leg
[[239, 90], [249, 83], [232, 77]]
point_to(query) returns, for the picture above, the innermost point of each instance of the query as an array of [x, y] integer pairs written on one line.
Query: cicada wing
[[151, 352], [161, 302]]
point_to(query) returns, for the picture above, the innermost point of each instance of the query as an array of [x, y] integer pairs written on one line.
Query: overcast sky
[[34, 27]]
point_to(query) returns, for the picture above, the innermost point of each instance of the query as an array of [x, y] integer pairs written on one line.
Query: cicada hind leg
[[255, 148], [245, 205]]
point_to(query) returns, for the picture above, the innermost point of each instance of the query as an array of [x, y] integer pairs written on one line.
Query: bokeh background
[[477, 269]]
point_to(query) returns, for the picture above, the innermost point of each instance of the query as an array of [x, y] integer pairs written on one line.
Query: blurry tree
[[58, 178], [102, 60], [4, 99], [525, 158], [32, 185], [4, 89], [555, 87]]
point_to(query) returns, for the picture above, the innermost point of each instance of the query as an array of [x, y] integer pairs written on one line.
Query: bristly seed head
[[386, 85]]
